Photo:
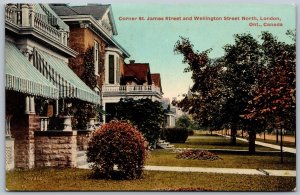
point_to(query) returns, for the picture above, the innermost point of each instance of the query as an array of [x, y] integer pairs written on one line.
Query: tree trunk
[[264, 135], [276, 135], [295, 138], [252, 137], [281, 142], [242, 133], [233, 135]]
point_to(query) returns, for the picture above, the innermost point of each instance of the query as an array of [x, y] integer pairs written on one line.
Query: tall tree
[[147, 115], [242, 63], [274, 99]]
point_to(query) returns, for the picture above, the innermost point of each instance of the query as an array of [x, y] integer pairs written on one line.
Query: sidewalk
[[285, 149], [266, 172]]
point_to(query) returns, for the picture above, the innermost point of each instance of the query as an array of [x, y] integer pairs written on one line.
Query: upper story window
[[111, 69], [118, 70], [113, 66], [96, 57]]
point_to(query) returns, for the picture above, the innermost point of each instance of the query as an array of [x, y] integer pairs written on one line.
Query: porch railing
[[129, 88], [23, 15], [44, 123]]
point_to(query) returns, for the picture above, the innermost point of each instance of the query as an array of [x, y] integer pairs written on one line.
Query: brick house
[[93, 26], [38, 84]]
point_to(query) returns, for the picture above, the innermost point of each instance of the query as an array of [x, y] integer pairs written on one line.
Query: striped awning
[[62, 76], [21, 76]]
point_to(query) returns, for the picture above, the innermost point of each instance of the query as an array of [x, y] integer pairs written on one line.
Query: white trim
[[89, 18]]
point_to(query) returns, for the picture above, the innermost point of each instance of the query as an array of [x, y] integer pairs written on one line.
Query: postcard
[[150, 97]]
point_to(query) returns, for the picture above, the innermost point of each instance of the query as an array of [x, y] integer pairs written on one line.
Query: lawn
[[269, 161], [78, 180], [215, 142]]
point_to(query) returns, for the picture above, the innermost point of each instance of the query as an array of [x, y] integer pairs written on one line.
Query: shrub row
[[175, 135]]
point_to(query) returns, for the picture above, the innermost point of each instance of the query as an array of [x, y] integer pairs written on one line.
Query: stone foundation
[[23, 128], [83, 137], [55, 148], [9, 153]]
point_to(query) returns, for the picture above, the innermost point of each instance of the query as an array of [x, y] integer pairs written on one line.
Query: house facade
[[93, 26], [58, 58], [39, 88]]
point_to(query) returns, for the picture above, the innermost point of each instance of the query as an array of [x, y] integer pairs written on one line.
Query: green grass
[[167, 158], [284, 143], [78, 180], [216, 142]]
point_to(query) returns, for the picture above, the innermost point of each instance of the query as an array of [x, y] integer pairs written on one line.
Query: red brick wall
[[80, 40]]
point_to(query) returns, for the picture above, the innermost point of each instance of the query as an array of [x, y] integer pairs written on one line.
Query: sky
[[152, 41]]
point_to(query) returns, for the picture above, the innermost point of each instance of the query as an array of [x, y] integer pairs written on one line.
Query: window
[[96, 57], [111, 73], [118, 70]]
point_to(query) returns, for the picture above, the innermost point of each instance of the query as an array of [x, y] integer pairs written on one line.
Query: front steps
[[81, 158], [164, 145]]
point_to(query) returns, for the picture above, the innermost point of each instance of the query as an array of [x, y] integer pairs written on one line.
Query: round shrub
[[175, 135], [119, 144]]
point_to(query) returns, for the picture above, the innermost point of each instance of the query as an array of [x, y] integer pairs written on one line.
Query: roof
[[69, 84], [23, 77], [43, 8], [155, 77], [139, 71], [95, 10]]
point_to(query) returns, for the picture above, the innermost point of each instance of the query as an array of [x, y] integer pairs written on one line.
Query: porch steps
[[81, 158], [164, 145]]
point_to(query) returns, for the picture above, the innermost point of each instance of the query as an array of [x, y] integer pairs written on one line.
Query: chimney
[[131, 61]]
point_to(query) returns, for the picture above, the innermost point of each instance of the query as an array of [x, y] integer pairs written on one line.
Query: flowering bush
[[117, 144]]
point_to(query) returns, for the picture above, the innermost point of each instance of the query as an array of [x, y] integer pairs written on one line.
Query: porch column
[[32, 105], [25, 14], [27, 105], [31, 15]]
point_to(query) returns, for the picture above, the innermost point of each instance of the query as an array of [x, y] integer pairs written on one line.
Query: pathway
[[266, 172], [285, 149]]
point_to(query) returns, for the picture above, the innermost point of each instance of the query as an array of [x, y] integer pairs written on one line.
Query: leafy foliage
[[175, 135], [117, 143], [145, 114], [275, 93], [84, 112], [183, 121], [250, 87], [89, 76]]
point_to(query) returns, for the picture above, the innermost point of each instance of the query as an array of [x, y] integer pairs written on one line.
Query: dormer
[[104, 16]]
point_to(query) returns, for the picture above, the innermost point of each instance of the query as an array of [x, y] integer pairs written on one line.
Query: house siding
[[80, 40]]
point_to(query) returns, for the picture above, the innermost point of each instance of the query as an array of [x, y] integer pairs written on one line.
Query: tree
[[221, 87], [251, 86], [184, 121], [207, 93], [274, 99], [146, 115], [242, 63]]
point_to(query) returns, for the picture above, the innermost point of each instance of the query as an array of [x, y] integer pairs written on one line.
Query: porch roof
[[21, 76], [69, 84]]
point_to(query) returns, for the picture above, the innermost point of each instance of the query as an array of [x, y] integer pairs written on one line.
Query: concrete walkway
[[266, 172], [285, 149]]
